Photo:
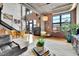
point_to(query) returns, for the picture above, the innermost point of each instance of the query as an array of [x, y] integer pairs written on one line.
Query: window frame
[[61, 19]]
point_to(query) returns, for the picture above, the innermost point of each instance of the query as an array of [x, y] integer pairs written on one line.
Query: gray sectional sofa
[[8, 47]]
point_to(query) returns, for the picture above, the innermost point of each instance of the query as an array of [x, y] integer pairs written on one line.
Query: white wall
[[77, 14], [12, 9], [1, 27]]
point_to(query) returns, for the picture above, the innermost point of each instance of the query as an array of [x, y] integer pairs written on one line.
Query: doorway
[[31, 24]]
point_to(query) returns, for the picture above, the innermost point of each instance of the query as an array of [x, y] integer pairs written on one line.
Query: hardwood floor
[[51, 38], [58, 46]]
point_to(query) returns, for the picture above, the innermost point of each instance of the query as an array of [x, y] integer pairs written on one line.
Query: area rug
[[55, 47]]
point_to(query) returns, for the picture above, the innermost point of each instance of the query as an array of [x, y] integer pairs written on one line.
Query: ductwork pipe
[[74, 5]]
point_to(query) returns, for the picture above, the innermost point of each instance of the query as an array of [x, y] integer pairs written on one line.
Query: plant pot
[[69, 38], [40, 48]]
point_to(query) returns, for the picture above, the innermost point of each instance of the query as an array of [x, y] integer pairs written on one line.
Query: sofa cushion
[[4, 39], [5, 48], [12, 45], [0, 51], [22, 43]]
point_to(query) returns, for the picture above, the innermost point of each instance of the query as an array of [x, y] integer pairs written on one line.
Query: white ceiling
[[50, 7]]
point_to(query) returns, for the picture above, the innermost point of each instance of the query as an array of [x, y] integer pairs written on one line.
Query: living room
[[39, 29]]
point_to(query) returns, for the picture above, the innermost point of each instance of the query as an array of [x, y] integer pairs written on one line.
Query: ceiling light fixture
[[30, 11], [45, 18]]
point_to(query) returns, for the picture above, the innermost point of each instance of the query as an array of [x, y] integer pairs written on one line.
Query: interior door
[[30, 26]]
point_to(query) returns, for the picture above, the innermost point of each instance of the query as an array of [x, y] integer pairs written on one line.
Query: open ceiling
[[49, 7]]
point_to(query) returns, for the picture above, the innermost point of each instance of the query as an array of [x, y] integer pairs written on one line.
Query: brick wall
[[49, 26], [34, 16]]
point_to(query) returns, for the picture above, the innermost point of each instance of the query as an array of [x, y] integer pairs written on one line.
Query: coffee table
[[31, 46]]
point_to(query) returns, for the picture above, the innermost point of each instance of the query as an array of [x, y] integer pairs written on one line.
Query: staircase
[[6, 25]]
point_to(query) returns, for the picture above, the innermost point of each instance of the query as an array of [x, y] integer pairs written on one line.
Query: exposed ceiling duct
[[64, 9], [73, 6], [61, 9]]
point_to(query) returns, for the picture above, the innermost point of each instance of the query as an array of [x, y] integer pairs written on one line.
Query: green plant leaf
[[40, 41]]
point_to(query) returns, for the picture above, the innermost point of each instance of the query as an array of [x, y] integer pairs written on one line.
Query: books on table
[[44, 52]]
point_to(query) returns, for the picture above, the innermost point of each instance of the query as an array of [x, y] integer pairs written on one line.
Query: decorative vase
[[40, 48], [40, 44]]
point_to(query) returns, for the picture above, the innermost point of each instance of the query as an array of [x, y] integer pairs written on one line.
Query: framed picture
[[16, 21], [7, 16]]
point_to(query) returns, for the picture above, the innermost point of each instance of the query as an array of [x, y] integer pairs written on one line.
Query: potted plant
[[40, 44], [65, 29], [69, 30], [73, 28]]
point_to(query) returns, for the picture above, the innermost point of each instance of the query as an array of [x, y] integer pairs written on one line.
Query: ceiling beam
[[27, 5]]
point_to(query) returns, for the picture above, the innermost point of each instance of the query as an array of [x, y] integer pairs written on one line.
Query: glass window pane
[[56, 19], [65, 18], [28, 13], [30, 21], [65, 15], [30, 26], [27, 23], [56, 27], [34, 21]]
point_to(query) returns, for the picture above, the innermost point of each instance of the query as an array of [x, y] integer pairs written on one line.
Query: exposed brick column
[[73, 16], [48, 24]]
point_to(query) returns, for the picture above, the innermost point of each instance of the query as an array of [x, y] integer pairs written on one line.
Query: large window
[[60, 20], [56, 19], [65, 18], [56, 23]]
